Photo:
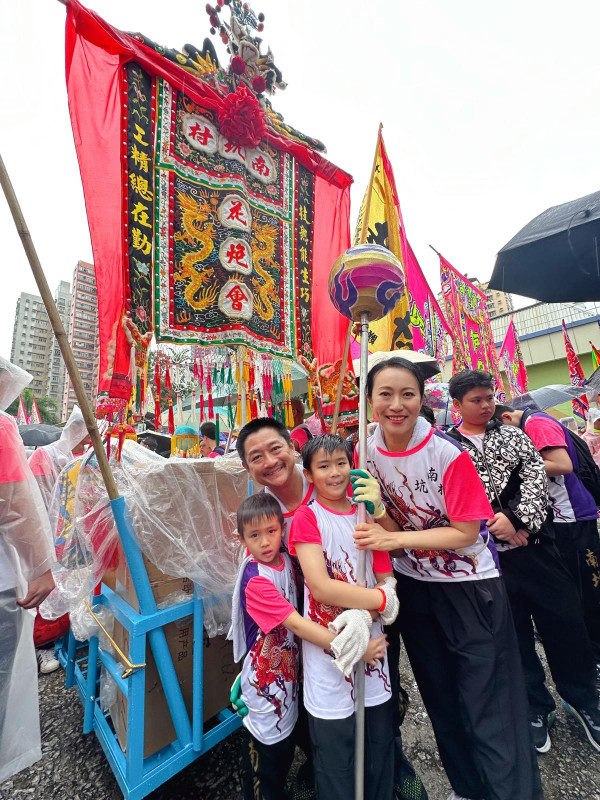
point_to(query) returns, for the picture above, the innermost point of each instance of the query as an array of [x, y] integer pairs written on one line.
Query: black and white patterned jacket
[[512, 472]]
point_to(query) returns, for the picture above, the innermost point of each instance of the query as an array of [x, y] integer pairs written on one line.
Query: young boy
[[322, 537], [264, 626]]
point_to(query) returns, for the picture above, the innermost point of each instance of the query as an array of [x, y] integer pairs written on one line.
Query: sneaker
[[589, 718], [46, 661], [540, 725], [454, 796]]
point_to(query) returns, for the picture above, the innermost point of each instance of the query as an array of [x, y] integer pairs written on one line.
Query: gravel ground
[[73, 766]]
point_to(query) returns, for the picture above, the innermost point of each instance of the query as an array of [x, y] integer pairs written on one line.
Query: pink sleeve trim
[[381, 561], [265, 604], [304, 529], [464, 494], [545, 433]]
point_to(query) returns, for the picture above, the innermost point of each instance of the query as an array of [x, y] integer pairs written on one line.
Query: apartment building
[[83, 335], [55, 385], [34, 347]]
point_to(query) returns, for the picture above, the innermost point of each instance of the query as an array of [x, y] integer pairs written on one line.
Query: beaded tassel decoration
[[170, 399]]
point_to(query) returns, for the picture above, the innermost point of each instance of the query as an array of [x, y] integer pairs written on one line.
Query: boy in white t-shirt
[[265, 624], [322, 537]]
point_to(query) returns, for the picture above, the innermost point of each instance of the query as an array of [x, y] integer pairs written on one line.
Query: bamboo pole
[[59, 332]]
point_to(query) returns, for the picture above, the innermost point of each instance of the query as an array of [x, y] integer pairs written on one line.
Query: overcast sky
[[490, 114]]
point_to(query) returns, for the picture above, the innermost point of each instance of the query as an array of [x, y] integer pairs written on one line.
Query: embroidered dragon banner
[[198, 238]]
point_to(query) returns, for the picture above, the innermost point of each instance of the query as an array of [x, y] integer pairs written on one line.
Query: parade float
[[214, 225]]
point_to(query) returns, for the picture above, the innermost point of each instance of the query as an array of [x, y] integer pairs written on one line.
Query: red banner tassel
[[157, 415], [121, 440], [201, 405], [168, 387], [108, 445], [211, 409]]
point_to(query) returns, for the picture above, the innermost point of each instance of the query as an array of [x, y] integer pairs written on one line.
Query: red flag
[[512, 356], [576, 375]]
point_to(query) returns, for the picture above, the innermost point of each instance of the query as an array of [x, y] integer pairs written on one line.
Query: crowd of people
[[491, 533], [480, 538]]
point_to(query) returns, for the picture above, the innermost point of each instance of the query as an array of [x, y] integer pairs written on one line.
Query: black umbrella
[[39, 434], [556, 257]]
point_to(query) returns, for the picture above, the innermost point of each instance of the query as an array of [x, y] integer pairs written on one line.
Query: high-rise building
[[83, 335], [55, 386], [33, 345]]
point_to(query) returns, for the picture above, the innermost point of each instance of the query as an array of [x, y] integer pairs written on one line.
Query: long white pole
[[359, 684]]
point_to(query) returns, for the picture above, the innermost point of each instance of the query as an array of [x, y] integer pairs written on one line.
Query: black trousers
[[579, 546], [266, 767], [460, 639], [540, 586], [333, 755], [403, 769]]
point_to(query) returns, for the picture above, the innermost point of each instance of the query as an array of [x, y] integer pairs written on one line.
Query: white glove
[[392, 604], [353, 628]]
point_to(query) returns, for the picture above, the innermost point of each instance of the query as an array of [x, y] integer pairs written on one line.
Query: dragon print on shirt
[[275, 661]]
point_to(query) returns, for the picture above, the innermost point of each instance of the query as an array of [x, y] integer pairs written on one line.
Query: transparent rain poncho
[[592, 434], [46, 462], [184, 518], [26, 553]]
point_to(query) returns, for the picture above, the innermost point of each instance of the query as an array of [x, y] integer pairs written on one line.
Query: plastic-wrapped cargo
[[184, 517]]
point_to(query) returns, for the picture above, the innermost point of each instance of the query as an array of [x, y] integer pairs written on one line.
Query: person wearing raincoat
[[46, 464], [26, 557], [48, 461], [592, 434]]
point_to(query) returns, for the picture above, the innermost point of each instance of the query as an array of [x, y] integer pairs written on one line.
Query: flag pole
[[59, 332], [362, 240]]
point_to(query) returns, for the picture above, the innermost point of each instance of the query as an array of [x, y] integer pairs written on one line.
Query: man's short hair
[[208, 430], [427, 413], [468, 379], [328, 442], [256, 425], [258, 507], [502, 409]]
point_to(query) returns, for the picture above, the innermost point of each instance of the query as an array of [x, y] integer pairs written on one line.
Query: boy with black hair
[[322, 535], [265, 624], [575, 522], [538, 585]]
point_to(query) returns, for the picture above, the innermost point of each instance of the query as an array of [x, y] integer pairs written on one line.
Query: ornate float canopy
[[213, 222]]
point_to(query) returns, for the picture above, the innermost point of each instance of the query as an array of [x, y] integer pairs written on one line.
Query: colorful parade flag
[[417, 322], [576, 375], [467, 314], [34, 417], [595, 357], [510, 352], [212, 221], [22, 418]]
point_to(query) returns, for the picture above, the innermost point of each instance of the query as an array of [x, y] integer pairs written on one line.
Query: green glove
[[235, 697], [365, 489]]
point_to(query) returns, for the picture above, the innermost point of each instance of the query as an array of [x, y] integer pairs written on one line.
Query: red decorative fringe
[[157, 392]]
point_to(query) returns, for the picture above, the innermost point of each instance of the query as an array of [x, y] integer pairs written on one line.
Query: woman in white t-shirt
[[455, 621]]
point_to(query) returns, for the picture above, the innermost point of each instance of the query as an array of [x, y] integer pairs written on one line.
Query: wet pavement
[[73, 766]]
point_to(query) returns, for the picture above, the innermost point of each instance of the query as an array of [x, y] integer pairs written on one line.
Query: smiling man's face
[[270, 460]]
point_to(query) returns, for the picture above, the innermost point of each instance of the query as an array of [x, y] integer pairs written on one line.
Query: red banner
[[136, 174]]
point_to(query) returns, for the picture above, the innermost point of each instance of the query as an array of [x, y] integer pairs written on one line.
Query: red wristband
[[382, 606]]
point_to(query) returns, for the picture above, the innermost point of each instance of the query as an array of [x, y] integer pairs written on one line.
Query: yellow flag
[[379, 222]]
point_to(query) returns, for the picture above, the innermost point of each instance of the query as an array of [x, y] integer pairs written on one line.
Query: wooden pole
[[59, 332]]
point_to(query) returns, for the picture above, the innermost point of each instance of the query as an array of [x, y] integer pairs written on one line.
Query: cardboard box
[[219, 667], [219, 673]]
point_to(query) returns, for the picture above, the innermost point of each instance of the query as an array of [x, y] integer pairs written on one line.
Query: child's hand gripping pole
[[353, 634], [365, 489], [391, 606]]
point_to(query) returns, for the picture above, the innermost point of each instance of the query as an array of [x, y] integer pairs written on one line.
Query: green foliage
[[46, 406]]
